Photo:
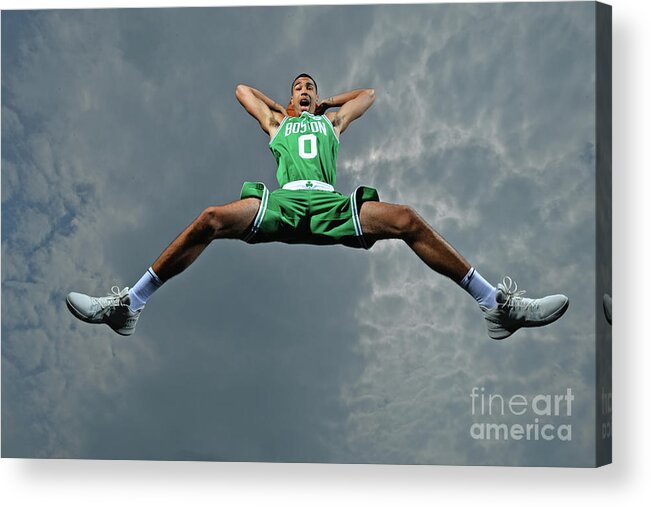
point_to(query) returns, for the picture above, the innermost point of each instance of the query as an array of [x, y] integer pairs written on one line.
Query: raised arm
[[268, 112], [352, 105]]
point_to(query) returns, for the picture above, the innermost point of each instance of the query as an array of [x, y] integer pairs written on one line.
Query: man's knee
[[406, 221], [227, 221], [210, 222]]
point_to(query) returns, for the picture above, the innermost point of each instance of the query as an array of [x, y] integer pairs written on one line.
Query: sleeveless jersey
[[305, 148]]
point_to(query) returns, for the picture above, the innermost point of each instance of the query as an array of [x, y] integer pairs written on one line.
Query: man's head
[[304, 93]]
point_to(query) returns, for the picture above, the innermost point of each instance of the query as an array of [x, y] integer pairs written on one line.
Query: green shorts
[[313, 217]]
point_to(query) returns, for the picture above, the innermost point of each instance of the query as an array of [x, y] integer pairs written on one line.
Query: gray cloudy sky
[[119, 127]]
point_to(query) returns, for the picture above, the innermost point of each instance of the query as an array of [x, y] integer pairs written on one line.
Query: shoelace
[[112, 299], [512, 293]]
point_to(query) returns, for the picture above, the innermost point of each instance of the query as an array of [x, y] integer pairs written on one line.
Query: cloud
[[486, 141], [129, 143]]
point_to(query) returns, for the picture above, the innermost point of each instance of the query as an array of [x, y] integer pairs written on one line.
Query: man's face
[[304, 95]]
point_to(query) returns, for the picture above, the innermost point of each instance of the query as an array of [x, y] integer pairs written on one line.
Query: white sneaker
[[112, 310], [514, 311]]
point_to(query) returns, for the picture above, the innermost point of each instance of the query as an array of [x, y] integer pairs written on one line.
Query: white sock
[[143, 289], [483, 292]]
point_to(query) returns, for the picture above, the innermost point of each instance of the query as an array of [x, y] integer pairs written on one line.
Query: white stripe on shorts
[[356, 221], [260, 216]]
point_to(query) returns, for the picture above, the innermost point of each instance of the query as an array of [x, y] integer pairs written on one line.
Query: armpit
[[273, 121], [336, 120]]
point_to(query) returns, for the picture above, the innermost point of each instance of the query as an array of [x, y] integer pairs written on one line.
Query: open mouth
[[304, 103]]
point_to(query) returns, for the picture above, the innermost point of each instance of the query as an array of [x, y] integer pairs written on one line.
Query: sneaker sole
[[78, 315], [504, 333]]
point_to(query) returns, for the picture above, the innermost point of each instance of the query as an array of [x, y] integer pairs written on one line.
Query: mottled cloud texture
[[119, 127]]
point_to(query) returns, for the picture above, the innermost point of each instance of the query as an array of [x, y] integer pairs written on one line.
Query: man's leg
[[504, 309], [122, 310], [216, 222], [381, 220]]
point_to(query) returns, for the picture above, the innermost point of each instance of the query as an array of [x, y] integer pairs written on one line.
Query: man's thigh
[[383, 220], [236, 217]]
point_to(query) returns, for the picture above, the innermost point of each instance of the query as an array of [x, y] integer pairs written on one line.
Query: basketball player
[[307, 209]]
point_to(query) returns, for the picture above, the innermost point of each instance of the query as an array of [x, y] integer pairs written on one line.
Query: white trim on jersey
[[333, 128]]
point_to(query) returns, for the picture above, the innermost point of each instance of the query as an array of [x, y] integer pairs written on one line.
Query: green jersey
[[305, 148]]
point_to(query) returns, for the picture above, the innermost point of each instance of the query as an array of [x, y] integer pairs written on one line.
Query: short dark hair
[[316, 88]]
